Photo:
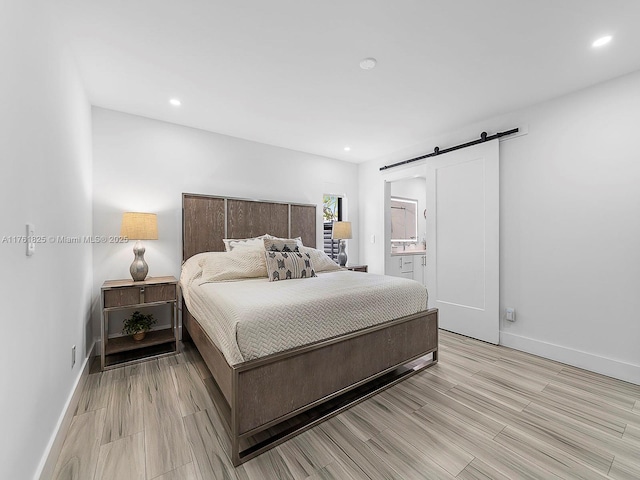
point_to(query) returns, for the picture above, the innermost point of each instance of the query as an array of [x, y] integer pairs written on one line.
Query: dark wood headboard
[[207, 219]]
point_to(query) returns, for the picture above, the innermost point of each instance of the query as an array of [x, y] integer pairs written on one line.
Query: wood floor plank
[[124, 415], [134, 369], [336, 471], [478, 470], [517, 366], [192, 394], [509, 394], [471, 351], [473, 441], [461, 359], [606, 395], [623, 469], [545, 455], [538, 427], [429, 380], [632, 434], [122, 459], [524, 380], [215, 416], [602, 381], [586, 434], [96, 392], [602, 420], [209, 456], [193, 357], [364, 422], [483, 412], [350, 451], [268, 465], [575, 402], [306, 454], [438, 449], [185, 472], [529, 359], [450, 373], [404, 458], [79, 455], [403, 399], [166, 442], [435, 400]]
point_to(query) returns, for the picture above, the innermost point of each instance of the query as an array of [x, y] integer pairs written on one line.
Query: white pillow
[[238, 264], [321, 261], [298, 240], [242, 243], [192, 268]]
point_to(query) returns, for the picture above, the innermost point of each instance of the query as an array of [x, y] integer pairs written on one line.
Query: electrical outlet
[[510, 314], [73, 356]]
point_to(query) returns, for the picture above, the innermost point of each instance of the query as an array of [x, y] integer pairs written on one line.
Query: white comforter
[[253, 318]]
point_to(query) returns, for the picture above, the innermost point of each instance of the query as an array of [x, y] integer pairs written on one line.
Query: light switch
[[31, 243]]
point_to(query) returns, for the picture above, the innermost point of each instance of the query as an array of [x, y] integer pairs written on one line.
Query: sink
[[409, 250]]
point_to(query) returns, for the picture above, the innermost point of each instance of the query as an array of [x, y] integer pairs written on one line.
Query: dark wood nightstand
[[358, 268], [130, 295]]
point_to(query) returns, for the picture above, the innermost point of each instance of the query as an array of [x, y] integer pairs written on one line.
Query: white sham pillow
[[298, 240], [254, 243], [238, 264], [321, 261]]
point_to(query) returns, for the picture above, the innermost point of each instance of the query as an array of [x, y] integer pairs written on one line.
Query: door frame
[[416, 169]]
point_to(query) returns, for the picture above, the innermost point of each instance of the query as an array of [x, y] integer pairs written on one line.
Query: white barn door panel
[[463, 240]]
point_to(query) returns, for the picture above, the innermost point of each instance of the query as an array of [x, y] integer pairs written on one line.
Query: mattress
[[252, 318]]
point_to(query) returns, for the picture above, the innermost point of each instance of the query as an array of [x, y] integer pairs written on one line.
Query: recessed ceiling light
[[602, 41], [368, 63], [347, 148], [175, 102]]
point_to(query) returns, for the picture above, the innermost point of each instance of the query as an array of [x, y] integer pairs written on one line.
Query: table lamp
[[341, 231], [139, 226]]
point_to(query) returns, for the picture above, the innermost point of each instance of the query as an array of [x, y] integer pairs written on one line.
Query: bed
[[266, 392]]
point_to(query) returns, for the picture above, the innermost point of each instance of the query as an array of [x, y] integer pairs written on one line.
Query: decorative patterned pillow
[[288, 265], [280, 244], [239, 264], [321, 261], [254, 243]]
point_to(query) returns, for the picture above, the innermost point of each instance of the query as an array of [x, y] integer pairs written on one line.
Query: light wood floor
[[483, 412]]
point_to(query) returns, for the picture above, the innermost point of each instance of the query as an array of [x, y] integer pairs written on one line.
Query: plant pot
[[139, 336]]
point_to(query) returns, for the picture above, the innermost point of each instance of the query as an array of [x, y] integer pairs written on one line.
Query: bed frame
[[266, 401]]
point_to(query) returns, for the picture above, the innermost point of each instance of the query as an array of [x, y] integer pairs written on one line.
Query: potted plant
[[138, 325]]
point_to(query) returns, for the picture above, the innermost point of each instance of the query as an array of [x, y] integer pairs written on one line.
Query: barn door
[[463, 240]]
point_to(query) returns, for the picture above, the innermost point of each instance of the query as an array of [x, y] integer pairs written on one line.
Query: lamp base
[[342, 254], [139, 267]]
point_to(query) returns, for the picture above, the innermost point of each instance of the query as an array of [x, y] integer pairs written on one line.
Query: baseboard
[[606, 366], [48, 463]]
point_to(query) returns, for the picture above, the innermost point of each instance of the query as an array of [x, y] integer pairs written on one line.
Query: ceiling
[[286, 72]]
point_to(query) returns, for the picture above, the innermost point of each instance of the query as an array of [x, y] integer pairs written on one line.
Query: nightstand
[[358, 268], [130, 295]]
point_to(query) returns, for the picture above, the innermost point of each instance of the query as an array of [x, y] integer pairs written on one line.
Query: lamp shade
[[341, 230], [139, 226]]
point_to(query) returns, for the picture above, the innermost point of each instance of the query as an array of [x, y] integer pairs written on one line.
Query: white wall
[[569, 234], [45, 150], [145, 165]]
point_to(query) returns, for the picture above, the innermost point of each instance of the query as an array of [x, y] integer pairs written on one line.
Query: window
[[331, 212]]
